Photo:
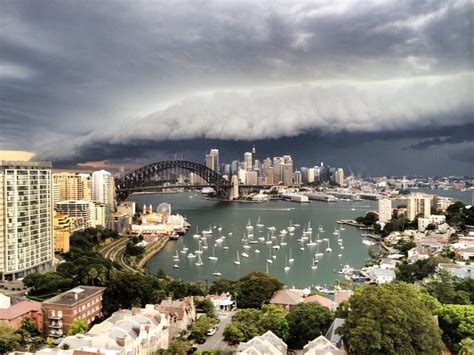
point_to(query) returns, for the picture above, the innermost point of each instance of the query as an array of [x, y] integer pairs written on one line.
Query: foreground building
[[266, 344], [62, 310], [182, 314], [13, 314], [26, 221]]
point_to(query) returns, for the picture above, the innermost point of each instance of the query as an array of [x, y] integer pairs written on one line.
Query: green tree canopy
[[391, 319], [306, 322], [450, 290], [205, 305], [273, 318], [79, 326], [201, 326], [8, 339], [256, 289], [457, 323]]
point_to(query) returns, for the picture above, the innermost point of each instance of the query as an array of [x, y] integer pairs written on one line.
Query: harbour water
[[233, 218]]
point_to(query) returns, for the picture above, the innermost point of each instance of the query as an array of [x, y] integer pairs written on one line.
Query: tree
[[220, 286], [47, 283], [27, 330], [457, 323], [206, 306], [257, 289], [8, 338], [418, 270], [450, 290], [273, 318], [306, 322], [391, 319], [79, 326], [244, 326], [233, 334], [466, 346], [201, 326], [177, 347]]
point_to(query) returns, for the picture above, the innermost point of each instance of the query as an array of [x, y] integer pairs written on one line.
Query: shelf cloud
[[110, 80]]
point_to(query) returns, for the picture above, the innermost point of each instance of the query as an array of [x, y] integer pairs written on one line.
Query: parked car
[[202, 340], [192, 350], [212, 331]]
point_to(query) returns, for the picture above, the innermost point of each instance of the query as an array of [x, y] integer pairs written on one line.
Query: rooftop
[[19, 309], [75, 295]]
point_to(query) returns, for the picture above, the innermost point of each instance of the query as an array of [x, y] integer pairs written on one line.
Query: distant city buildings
[[26, 218]]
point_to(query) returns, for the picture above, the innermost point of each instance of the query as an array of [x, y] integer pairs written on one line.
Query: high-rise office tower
[[215, 160], [269, 176], [267, 164], [277, 169], [339, 176], [26, 218], [311, 175], [287, 174], [247, 161]]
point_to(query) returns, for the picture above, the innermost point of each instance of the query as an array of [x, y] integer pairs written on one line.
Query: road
[[216, 341], [114, 251]]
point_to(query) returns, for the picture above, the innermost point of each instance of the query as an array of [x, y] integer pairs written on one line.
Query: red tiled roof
[[323, 301], [19, 309]]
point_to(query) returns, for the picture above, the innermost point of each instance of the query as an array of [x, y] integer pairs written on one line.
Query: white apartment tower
[[73, 186], [26, 218], [212, 160], [339, 176], [385, 210], [103, 190], [419, 204]]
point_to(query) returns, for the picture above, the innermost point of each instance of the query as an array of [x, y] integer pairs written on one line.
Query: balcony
[[56, 325], [55, 316], [55, 333]]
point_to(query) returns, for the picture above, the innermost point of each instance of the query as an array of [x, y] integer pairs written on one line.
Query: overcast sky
[[383, 86]]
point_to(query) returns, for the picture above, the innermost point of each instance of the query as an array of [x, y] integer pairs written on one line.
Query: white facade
[[381, 276], [419, 204], [385, 210], [26, 218], [339, 176], [311, 175], [103, 190], [433, 219], [247, 161], [84, 211]]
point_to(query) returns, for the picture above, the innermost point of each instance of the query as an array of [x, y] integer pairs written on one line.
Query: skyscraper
[[339, 176], [26, 220], [248, 161], [287, 174], [103, 190], [73, 186], [215, 156], [419, 205]]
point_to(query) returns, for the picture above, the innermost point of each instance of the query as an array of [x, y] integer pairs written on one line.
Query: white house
[[266, 344], [380, 276]]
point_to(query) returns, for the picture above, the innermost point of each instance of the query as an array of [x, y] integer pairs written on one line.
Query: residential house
[[139, 331], [380, 276], [458, 270], [322, 346], [61, 311], [418, 253], [182, 314], [13, 314], [323, 301], [222, 302], [332, 334], [388, 264], [288, 297], [265, 344]]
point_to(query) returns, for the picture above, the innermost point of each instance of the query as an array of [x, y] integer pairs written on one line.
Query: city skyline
[[383, 87]]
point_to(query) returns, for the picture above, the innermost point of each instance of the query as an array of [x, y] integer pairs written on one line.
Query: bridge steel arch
[[134, 180]]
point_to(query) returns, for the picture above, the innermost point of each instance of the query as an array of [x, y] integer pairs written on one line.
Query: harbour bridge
[[143, 178]]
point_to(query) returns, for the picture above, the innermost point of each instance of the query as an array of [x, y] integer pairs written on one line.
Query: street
[[216, 341]]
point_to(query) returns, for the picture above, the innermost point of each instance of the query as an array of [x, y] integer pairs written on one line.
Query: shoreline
[[155, 249]]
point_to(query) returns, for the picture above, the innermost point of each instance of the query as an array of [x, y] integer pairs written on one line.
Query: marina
[[270, 234]]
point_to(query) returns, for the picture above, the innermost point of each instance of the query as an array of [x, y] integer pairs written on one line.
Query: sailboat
[[283, 242], [191, 255], [291, 259], [287, 267], [269, 260], [268, 239], [328, 249], [246, 244], [205, 246], [213, 257], [249, 226], [320, 228], [342, 246], [257, 251], [176, 256], [176, 266], [224, 247], [309, 229], [291, 229], [199, 262], [318, 253], [311, 243], [196, 235], [302, 245], [336, 232], [185, 249], [259, 224], [199, 251], [216, 273], [207, 231], [237, 262], [314, 266], [220, 228]]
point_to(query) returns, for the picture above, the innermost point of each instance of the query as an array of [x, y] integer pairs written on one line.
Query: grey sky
[[81, 75]]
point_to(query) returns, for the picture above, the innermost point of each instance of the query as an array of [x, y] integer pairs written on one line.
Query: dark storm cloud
[[88, 72]]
